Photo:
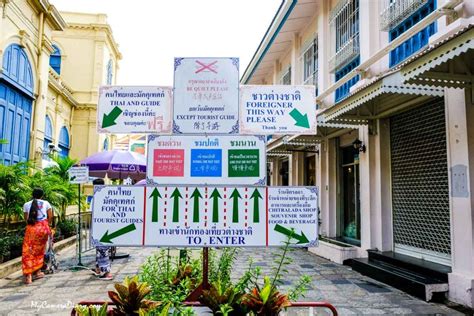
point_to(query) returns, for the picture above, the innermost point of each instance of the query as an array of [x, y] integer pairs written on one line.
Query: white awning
[[380, 93], [448, 63]]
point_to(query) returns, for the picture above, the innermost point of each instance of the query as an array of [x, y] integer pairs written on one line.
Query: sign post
[[78, 175]]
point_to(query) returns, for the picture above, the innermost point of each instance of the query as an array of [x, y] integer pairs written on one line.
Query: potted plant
[[129, 298]]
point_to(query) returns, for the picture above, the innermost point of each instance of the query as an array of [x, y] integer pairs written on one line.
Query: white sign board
[[199, 216], [133, 109], [206, 96], [117, 215], [283, 109], [78, 175], [193, 159]]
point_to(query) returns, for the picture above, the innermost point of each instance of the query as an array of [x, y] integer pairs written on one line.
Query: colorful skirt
[[34, 246]]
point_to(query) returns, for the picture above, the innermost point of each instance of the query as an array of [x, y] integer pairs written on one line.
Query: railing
[[311, 305], [83, 232], [395, 11], [345, 54]]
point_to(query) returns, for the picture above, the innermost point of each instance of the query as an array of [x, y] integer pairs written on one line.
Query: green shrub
[[67, 227], [170, 281], [4, 246]]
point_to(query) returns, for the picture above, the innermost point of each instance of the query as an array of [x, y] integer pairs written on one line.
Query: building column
[[460, 134], [329, 188], [365, 189]]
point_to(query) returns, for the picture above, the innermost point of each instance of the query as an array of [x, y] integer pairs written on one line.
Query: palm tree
[[61, 169], [14, 190]]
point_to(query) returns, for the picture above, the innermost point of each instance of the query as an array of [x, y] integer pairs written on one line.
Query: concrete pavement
[[350, 292]]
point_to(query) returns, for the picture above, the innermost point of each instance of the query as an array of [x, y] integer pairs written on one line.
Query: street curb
[[14, 265]]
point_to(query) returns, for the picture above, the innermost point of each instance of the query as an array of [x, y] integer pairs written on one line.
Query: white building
[[394, 148]]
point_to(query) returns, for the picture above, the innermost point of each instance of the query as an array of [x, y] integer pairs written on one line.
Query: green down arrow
[[300, 119], [196, 195], [302, 239], [154, 214], [109, 119], [107, 238]]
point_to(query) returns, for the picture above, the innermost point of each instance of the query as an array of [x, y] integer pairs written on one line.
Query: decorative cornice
[[99, 27], [55, 82]]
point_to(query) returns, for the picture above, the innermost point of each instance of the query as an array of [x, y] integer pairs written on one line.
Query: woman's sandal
[[38, 276]]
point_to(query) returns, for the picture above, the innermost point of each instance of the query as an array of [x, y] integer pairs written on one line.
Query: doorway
[[350, 196]]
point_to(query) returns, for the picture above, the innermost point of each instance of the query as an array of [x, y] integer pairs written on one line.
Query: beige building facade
[[52, 66], [393, 150]]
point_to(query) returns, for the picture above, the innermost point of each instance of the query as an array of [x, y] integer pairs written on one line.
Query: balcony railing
[[395, 11], [345, 54]]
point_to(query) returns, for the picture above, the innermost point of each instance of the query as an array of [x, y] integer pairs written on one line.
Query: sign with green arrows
[[117, 214], [280, 109], [133, 109], [204, 216]]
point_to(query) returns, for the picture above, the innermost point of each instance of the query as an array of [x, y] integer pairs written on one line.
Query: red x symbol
[[204, 66]]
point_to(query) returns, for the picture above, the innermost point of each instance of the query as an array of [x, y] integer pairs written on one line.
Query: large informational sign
[[204, 216], [78, 175], [194, 159], [133, 109], [206, 96], [280, 109]]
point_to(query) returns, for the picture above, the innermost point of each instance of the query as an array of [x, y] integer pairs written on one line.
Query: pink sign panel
[[168, 162]]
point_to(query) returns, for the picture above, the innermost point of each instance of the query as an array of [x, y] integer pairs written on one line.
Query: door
[[350, 217], [420, 191]]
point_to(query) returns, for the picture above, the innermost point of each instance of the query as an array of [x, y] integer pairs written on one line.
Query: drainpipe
[[39, 50]]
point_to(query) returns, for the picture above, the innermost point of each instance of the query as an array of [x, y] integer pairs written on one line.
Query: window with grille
[[344, 25], [286, 78], [395, 11], [310, 64], [417, 41]]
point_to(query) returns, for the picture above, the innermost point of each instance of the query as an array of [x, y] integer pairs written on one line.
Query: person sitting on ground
[[102, 254], [38, 216]]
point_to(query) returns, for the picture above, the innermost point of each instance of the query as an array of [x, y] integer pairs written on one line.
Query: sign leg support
[[194, 296], [79, 263]]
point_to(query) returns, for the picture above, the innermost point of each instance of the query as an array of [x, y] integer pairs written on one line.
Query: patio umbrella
[[141, 182], [116, 164]]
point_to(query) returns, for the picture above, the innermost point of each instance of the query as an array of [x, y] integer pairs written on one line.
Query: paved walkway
[[349, 291]]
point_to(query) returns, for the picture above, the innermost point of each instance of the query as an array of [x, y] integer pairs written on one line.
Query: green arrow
[[215, 205], [302, 239], [154, 214], [196, 195], [122, 231], [176, 195], [235, 208], [256, 214], [300, 119], [109, 119]]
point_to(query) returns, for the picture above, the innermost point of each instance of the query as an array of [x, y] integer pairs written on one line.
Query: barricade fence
[[83, 231]]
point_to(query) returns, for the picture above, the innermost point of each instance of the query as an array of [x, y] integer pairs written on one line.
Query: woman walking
[[38, 215]]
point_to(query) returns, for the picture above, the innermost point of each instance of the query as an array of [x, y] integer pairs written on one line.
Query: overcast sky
[[151, 33]]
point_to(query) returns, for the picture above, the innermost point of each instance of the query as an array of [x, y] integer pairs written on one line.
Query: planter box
[[334, 251], [299, 308]]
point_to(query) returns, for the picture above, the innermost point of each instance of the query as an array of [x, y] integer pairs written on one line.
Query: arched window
[[64, 142], [16, 96], [48, 137], [106, 144], [110, 72], [55, 60]]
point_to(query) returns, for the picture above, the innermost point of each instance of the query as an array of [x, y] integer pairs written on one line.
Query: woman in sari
[[38, 215]]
